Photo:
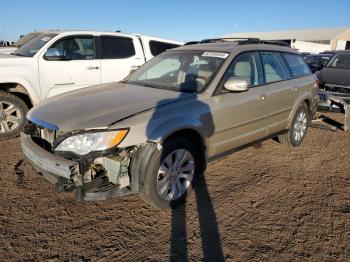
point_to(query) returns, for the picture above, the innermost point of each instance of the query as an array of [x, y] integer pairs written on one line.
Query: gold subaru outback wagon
[[154, 132]]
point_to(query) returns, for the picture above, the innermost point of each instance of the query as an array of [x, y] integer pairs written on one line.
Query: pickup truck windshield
[[30, 48], [182, 71]]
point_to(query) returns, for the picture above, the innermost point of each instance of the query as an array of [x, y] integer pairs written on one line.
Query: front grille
[[336, 89]]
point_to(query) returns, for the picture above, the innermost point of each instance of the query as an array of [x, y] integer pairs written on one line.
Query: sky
[[182, 20]]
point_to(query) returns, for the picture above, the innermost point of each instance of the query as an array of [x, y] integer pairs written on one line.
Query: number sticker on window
[[216, 54], [45, 39]]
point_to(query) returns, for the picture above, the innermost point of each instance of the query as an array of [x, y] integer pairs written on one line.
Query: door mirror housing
[[54, 54], [237, 84]]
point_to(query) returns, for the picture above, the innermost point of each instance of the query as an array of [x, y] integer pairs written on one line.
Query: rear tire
[[13, 112], [297, 132], [168, 181]]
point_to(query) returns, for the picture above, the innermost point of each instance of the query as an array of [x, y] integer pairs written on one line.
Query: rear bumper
[[52, 167]]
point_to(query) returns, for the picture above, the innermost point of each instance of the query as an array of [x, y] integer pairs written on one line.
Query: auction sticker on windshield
[[46, 38], [216, 54]]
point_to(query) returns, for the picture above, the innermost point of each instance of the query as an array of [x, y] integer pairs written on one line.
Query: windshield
[[26, 39], [340, 61], [322, 59], [182, 71], [30, 48]]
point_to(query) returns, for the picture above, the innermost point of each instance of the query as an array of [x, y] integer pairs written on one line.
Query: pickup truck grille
[[336, 89]]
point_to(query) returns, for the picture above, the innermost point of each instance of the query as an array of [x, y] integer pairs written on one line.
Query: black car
[[305, 54], [335, 76], [318, 61]]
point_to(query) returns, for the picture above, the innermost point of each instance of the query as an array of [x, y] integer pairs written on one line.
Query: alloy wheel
[[300, 126], [175, 174], [10, 117]]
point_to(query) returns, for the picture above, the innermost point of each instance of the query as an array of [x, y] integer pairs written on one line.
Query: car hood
[[7, 60], [6, 55], [7, 50], [335, 76], [99, 106]]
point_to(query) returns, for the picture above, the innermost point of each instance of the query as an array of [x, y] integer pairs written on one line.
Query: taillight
[[317, 81]]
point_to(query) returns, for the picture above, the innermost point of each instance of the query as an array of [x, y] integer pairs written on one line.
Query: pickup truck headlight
[[83, 144]]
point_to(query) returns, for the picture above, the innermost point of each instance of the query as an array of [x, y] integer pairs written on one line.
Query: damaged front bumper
[[80, 176], [53, 168]]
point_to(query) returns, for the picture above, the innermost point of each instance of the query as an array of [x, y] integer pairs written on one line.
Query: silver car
[[154, 132]]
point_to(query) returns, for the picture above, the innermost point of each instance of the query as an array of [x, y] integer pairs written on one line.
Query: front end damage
[[97, 176]]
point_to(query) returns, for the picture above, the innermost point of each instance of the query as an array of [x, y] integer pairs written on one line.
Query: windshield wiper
[[17, 54], [137, 83]]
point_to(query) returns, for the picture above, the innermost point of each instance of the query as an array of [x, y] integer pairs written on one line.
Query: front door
[[239, 118], [78, 68]]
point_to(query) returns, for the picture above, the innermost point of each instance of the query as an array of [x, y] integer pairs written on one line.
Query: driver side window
[[246, 65], [76, 48]]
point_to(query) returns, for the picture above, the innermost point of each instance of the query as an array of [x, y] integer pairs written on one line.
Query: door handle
[[261, 97], [92, 68], [295, 89]]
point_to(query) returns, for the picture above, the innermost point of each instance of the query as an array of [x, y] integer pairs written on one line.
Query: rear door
[[282, 90], [119, 56], [240, 118], [78, 68]]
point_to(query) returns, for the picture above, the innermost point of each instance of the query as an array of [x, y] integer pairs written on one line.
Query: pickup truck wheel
[[12, 115], [298, 130], [171, 173]]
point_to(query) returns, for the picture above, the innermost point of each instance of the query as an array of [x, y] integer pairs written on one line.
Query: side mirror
[[54, 54], [237, 84]]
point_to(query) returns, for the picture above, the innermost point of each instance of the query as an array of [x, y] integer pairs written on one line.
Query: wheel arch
[[140, 160], [305, 100], [190, 133], [18, 90]]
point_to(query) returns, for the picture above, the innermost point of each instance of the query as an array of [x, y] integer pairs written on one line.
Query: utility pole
[[3, 30]]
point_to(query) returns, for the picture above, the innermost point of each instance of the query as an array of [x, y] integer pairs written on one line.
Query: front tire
[[298, 129], [171, 173], [13, 112]]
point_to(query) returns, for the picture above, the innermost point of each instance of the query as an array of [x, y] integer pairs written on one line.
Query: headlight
[[85, 143]]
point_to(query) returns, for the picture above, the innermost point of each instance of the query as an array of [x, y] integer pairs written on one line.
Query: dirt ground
[[271, 203]]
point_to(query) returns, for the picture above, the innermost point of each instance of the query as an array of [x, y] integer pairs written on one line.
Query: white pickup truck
[[57, 62]]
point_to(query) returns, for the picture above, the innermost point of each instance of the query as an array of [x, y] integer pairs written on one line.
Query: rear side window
[[274, 67], [117, 47], [159, 47], [296, 64]]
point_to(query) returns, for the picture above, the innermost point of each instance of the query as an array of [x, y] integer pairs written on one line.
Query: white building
[[308, 40]]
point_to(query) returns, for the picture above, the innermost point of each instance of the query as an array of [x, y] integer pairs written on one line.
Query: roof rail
[[240, 41], [222, 39], [266, 42]]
